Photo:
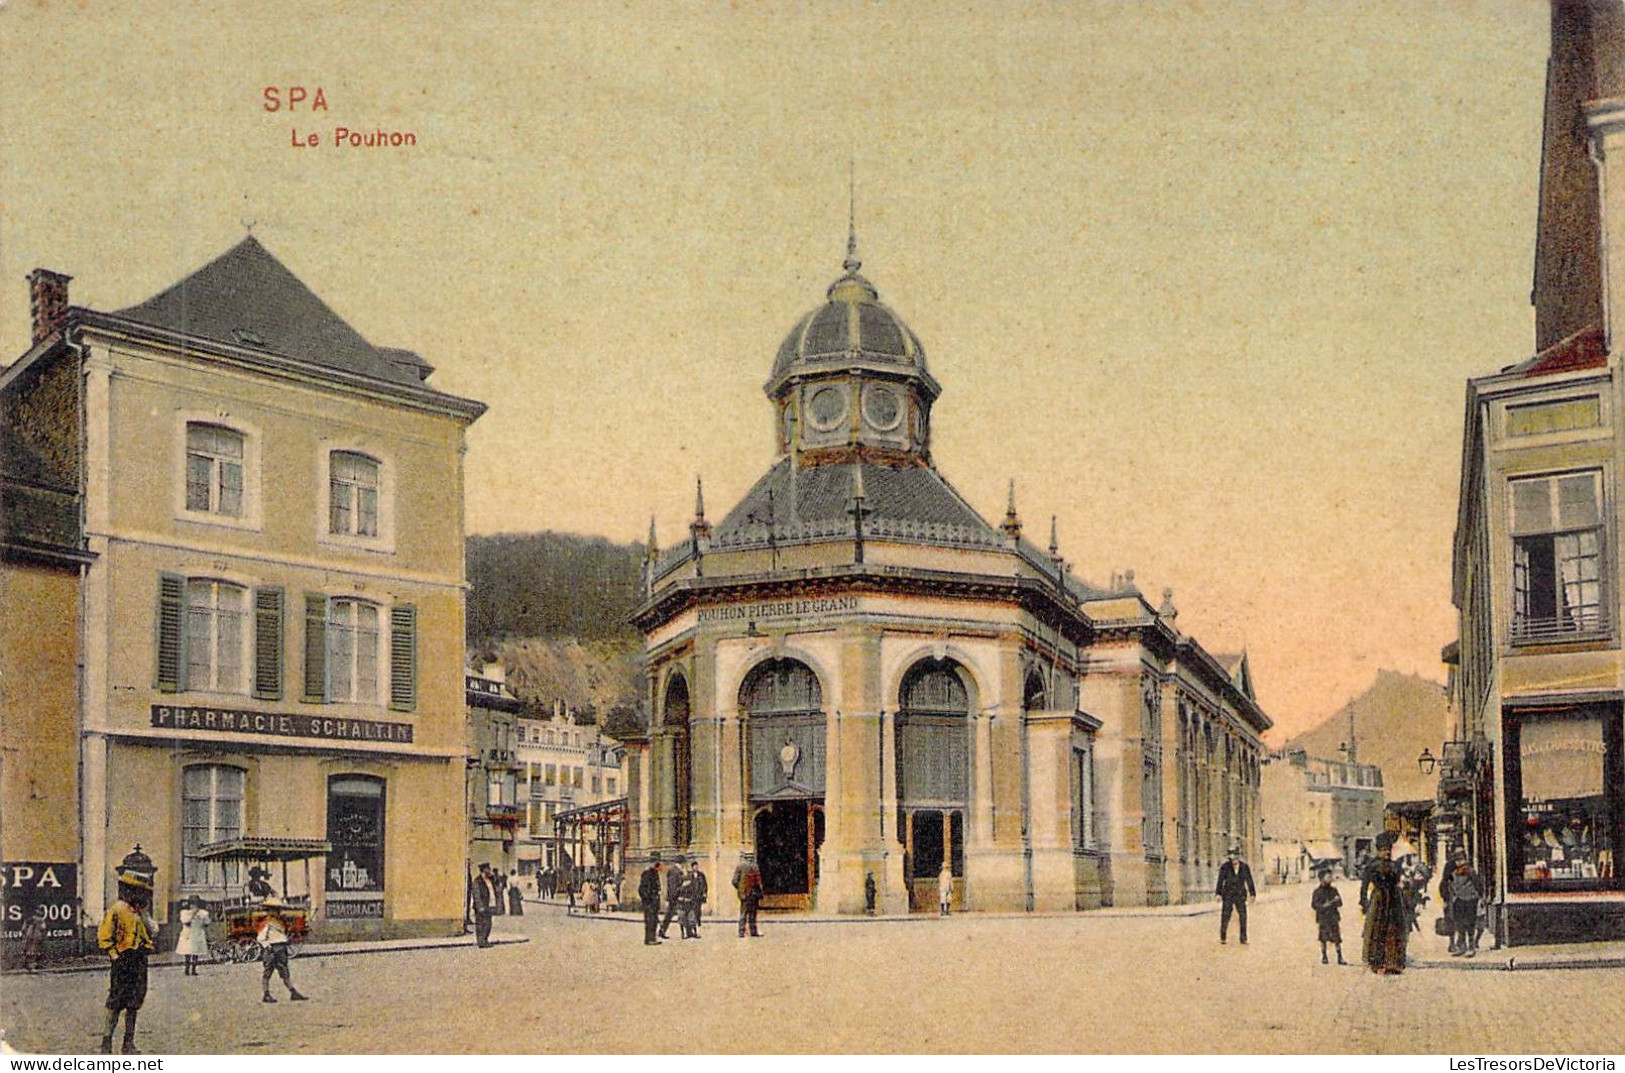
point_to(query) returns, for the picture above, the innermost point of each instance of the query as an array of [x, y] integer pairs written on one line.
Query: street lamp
[[1427, 761]]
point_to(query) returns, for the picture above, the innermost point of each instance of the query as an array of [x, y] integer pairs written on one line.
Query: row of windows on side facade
[[218, 637], [214, 481]]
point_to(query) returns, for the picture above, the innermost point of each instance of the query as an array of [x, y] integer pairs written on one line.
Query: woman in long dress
[[194, 940], [1387, 916]]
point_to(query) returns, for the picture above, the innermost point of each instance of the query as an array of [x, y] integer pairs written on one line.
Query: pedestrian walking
[[552, 882], [612, 893], [1327, 904], [1387, 920], [570, 891], [516, 896], [649, 899], [1234, 888], [1461, 901], [34, 940], [194, 941], [869, 894], [747, 882], [500, 908], [485, 898], [126, 937], [945, 890], [275, 951], [674, 894]]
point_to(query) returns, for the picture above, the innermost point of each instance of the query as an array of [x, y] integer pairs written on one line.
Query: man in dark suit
[[674, 894], [1235, 886], [649, 898], [485, 900], [748, 883]]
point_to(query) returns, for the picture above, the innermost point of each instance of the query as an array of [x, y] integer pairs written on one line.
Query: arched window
[[352, 494], [933, 767], [211, 810], [1034, 694], [214, 469], [784, 705], [675, 718]]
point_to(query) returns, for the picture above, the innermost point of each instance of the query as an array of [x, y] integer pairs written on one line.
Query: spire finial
[[852, 263], [1011, 526], [699, 499], [652, 544], [1054, 539]]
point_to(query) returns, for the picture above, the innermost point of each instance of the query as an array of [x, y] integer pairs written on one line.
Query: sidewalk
[[97, 963], [1267, 895]]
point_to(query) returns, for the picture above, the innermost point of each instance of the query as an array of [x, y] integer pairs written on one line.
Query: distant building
[[1317, 813], [271, 620], [570, 770], [1531, 784], [494, 811]]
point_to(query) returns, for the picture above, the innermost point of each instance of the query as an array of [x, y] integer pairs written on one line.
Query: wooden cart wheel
[[247, 950], [222, 952]]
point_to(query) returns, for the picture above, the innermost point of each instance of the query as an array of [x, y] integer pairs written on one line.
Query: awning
[[264, 849], [1322, 851]]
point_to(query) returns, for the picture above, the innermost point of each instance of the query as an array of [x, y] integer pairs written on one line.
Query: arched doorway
[[933, 777], [784, 711], [680, 792]]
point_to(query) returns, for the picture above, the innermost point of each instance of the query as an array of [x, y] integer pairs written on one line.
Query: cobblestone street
[[1086, 983]]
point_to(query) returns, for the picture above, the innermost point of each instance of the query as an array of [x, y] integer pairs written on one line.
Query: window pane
[[199, 475], [1577, 501], [199, 641], [1531, 506], [229, 647], [231, 489], [367, 511], [338, 514]]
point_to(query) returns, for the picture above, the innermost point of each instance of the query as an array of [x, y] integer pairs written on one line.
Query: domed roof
[[852, 327]]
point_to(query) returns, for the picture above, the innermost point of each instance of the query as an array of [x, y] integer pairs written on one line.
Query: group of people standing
[[687, 891]]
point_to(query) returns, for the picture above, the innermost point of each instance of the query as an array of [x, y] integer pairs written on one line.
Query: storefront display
[[1564, 808]]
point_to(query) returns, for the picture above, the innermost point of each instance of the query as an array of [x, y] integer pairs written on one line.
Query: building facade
[[1317, 813], [1531, 782], [567, 767], [495, 813], [271, 628], [856, 677]]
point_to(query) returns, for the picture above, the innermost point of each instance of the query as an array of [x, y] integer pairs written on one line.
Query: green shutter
[[171, 633], [268, 643], [315, 647], [403, 657]]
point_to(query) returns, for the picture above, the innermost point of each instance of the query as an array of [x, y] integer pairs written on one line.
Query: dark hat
[[680, 858], [655, 857], [256, 872], [136, 869], [485, 866]]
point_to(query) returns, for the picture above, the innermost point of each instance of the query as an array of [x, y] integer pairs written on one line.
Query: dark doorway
[[788, 834]]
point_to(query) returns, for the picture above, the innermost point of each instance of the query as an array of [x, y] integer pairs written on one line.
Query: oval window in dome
[[826, 408], [882, 407]]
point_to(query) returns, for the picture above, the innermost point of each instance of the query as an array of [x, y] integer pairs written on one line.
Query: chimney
[[48, 300]]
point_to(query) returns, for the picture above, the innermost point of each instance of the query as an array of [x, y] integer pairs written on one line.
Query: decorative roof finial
[[654, 548], [1011, 526], [852, 263], [1054, 540], [699, 499]]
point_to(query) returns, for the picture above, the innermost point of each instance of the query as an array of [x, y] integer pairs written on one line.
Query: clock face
[[883, 407], [826, 408]]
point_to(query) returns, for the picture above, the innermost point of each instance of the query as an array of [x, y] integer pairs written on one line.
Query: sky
[[1205, 279]]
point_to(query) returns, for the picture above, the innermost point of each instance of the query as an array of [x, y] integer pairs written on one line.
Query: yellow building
[[1531, 784], [272, 627], [857, 678]]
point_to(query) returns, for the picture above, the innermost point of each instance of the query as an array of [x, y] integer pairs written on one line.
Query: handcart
[[243, 913]]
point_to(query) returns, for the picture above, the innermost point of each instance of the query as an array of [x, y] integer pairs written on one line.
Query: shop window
[[1564, 785], [355, 827], [211, 810], [214, 469], [1557, 565]]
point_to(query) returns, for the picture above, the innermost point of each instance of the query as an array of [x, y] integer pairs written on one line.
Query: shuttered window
[[171, 633], [315, 647], [268, 643], [403, 657]]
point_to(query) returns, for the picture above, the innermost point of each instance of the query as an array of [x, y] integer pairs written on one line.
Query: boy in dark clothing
[[1327, 905]]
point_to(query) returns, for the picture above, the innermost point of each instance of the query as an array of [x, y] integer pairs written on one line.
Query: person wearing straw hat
[[273, 940], [126, 937]]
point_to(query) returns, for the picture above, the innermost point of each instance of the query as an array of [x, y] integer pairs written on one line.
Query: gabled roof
[[247, 298]]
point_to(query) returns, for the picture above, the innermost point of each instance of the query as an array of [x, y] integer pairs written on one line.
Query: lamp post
[[1427, 761]]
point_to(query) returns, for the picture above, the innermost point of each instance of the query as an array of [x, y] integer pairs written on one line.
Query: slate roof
[[911, 503], [247, 298]]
